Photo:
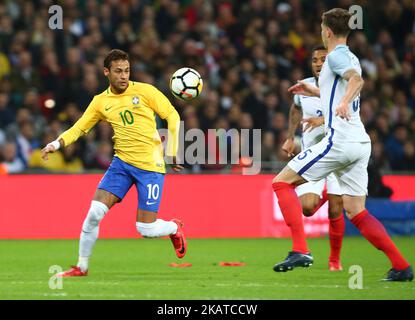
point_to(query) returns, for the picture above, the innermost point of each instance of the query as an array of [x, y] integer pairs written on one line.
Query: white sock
[[158, 228], [83, 263], [90, 231]]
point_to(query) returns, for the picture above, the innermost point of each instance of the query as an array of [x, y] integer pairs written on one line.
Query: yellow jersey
[[132, 115]]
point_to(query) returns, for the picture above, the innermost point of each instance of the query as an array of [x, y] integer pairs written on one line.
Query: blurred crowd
[[248, 53]]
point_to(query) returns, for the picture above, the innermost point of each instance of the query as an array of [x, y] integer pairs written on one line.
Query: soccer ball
[[186, 84]]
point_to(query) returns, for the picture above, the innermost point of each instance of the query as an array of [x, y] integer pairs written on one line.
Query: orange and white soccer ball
[[186, 84]]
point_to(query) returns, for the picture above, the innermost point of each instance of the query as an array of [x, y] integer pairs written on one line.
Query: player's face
[[118, 75], [319, 56]]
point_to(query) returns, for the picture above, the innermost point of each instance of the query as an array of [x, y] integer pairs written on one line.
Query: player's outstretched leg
[[89, 235], [290, 206], [336, 231], [310, 212], [292, 212], [376, 234], [161, 228]]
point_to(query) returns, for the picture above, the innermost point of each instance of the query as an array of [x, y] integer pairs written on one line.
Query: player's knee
[[335, 211], [96, 213], [308, 209], [309, 204], [275, 180], [281, 178]]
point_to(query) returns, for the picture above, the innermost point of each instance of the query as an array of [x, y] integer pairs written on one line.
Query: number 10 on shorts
[[153, 191]]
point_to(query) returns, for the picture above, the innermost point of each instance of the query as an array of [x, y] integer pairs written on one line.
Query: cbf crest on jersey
[[135, 101]]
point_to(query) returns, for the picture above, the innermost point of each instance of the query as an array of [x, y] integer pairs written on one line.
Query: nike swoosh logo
[[150, 203], [107, 108], [181, 251]]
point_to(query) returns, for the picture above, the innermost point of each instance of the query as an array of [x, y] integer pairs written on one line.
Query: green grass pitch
[[138, 269]]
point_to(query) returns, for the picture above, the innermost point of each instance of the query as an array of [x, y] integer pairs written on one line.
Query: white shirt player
[[332, 90], [345, 150], [311, 107]]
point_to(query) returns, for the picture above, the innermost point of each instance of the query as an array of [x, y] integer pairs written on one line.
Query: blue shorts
[[120, 176]]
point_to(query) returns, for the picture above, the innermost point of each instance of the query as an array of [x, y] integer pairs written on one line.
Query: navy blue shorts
[[120, 176]]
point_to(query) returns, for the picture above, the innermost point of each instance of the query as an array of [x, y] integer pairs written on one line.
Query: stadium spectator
[[6, 112], [12, 163], [408, 159], [395, 146], [25, 141], [64, 161], [248, 52], [103, 155], [24, 76]]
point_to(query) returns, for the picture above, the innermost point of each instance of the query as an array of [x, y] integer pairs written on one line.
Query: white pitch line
[[82, 295]]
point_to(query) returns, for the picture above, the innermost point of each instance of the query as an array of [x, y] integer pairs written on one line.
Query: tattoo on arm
[[294, 119], [355, 84]]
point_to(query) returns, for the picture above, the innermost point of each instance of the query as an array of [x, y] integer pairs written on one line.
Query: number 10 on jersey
[[127, 117]]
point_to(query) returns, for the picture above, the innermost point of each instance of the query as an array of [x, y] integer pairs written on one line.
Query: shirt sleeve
[[340, 62], [173, 126], [88, 120], [162, 106]]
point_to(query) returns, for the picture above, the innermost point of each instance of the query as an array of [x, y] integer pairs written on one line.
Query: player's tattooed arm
[[304, 88], [311, 123], [354, 86], [294, 119]]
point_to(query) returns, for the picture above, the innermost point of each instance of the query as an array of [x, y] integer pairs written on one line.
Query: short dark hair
[[337, 20], [114, 55], [318, 48]]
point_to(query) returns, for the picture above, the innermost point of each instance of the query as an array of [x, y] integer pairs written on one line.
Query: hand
[[289, 147], [305, 89], [177, 167], [312, 123], [173, 162], [343, 111], [48, 149]]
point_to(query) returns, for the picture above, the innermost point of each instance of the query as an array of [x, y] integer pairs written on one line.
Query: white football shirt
[[332, 89], [311, 107]]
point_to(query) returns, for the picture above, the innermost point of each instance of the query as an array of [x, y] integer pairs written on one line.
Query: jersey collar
[[341, 46]]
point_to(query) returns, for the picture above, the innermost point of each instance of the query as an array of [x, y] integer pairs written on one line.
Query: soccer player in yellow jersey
[[130, 107]]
